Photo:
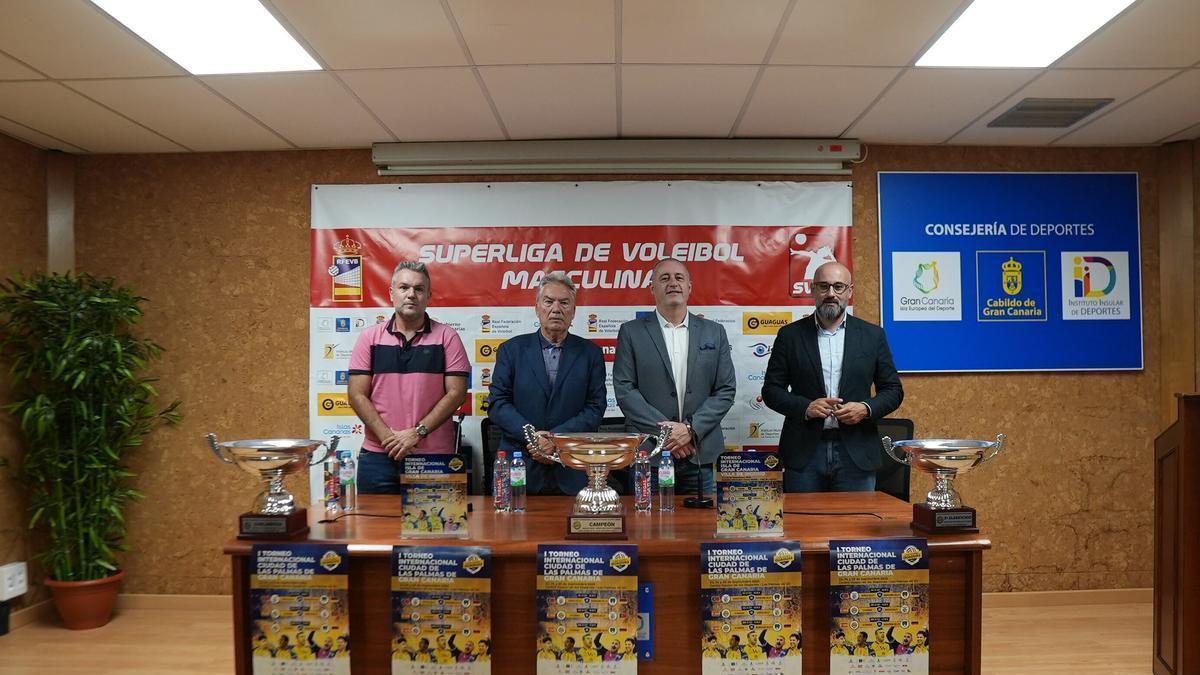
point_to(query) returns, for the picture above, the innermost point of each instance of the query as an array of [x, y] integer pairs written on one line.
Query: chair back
[[893, 477]]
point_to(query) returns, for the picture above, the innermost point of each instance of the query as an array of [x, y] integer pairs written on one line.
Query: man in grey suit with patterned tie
[[674, 369]]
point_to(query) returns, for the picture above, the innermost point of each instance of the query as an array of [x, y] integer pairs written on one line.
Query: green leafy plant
[[81, 400]]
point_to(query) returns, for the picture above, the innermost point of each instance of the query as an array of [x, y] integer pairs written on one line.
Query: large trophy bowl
[[945, 459], [597, 512], [274, 513]]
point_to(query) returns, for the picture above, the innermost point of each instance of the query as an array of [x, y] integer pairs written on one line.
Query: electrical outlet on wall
[[14, 580]]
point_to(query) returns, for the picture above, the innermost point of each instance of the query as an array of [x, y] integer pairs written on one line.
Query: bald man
[[819, 378]]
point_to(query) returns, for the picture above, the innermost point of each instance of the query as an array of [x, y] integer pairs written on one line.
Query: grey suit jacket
[[645, 386]]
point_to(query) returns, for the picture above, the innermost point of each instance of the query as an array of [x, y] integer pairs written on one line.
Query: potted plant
[[82, 401]]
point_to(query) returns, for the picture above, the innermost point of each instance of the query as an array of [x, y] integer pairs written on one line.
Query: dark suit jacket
[[645, 385], [521, 393], [794, 379]]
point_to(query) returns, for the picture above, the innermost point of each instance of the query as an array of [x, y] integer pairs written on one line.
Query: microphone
[[699, 501]]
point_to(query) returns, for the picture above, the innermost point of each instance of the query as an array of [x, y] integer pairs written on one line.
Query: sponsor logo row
[[1011, 286]]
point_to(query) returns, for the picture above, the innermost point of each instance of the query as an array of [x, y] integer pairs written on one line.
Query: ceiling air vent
[[1049, 112]]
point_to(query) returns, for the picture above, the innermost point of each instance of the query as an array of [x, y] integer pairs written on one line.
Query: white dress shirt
[[832, 345], [676, 339]]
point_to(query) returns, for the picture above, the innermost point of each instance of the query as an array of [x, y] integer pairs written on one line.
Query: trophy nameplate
[[274, 513], [944, 459], [590, 526]]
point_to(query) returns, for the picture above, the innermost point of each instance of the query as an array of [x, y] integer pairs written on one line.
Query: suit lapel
[[534, 356], [811, 350], [570, 354], [849, 346], [693, 351], [650, 323]]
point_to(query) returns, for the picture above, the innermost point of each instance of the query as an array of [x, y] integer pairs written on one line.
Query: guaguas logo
[[926, 279], [1085, 270]]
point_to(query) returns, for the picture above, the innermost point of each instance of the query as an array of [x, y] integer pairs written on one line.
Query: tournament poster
[[441, 610], [299, 604], [749, 494], [879, 607], [750, 608], [587, 610], [433, 496]]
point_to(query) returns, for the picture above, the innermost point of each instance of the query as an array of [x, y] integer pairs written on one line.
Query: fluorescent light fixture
[[1018, 33], [213, 37]]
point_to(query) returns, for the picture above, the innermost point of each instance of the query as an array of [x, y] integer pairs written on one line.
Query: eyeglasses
[[825, 287]]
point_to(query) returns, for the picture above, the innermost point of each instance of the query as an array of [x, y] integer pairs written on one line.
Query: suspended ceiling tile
[[929, 105], [1188, 134], [427, 104], [312, 110], [1153, 34], [811, 101], [73, 39], [11, 69], [682, 101], [34, 137], [1120, 85], [54, 110], [860, 32], [537, 31], [375, 33], [554, 101], [698, 31], [183, 110], [1159, 113]]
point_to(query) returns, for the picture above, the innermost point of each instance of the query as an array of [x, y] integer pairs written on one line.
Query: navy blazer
[[521, 393], [794, 379]]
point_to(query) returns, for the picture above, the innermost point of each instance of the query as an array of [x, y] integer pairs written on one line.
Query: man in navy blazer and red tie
[[551, 379], [819, 378]]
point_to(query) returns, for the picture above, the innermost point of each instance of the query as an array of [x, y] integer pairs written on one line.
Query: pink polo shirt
[[408, 377]]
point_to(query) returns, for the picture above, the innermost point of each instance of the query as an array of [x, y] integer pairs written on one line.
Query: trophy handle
[[889, 446], [536, 448], [216, 448], [660, 441], [329, 448], [1000, 440]]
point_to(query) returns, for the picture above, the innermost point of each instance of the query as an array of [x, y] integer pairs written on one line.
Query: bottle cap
[[500, 454], [517, 454]]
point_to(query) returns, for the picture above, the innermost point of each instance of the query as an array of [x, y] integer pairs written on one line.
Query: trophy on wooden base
[[944, 459], [274, 514], [598, 513]]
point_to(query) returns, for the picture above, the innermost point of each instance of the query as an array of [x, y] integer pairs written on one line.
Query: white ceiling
[[73, 79]]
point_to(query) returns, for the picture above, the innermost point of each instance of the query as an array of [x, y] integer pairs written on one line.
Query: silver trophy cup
[[597, 454], [944, 459], [270, 460]]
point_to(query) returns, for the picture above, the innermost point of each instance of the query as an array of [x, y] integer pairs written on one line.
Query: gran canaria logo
[[926, 279]]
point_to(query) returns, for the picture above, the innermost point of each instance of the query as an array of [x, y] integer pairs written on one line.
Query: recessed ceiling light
[[1018, 33], [211, 37]]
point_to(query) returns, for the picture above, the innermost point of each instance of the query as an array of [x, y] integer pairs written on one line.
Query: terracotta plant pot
[[86, 604]]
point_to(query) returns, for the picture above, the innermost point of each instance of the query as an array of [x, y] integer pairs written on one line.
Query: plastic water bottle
[[348, 477], [641, 482], [333, 490], [666, 482], [501, 490], [516, 483]]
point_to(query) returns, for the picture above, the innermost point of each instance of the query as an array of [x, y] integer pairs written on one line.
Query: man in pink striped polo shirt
[[407, 377]]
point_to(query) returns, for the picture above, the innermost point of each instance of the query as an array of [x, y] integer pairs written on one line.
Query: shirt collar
[[546, 344], [835, 331], [665, 325], [426, 328]]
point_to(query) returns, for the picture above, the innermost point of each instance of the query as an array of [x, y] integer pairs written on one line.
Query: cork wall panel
[[22, 250], [1069, 505], [219, 244]]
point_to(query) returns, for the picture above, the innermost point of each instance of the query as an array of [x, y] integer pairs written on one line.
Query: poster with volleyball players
[[441, 610], [300, 621], [587, 610], [750, 608], [879, 606], [433, 496], [749, 494]]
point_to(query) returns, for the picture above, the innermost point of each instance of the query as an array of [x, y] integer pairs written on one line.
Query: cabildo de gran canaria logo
[[926, 279], [620, 561], [1010, 277]]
